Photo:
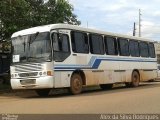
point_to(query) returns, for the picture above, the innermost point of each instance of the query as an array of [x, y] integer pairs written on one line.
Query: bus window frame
[[120, 39], [85, 40], [99, 35], [68, 42]]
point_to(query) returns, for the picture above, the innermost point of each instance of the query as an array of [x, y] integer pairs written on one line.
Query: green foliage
[[13, 16], [21, 14], [61, 11]]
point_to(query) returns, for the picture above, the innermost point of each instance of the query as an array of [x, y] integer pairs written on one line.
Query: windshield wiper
[[31, 59], [33, 38], [35, 58]]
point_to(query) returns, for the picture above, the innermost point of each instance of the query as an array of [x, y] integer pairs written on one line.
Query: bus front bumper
[[33, 83]]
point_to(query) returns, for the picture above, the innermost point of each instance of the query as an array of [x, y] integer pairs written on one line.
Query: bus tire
[[106, 86], [135, 79], [76, 84], [43, 92]]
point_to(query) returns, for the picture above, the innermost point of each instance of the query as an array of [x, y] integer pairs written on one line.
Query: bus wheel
[[76, 84], [43, 92], [106, 86], [135, 79]]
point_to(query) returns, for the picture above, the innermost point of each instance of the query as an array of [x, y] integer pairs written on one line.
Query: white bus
[[68, 56]]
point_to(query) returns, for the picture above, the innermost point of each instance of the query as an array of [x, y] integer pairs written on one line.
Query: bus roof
[[47, 28], [44, 28]]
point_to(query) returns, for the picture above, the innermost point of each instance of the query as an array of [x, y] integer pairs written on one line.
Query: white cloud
[[119, 15], [156, 13]]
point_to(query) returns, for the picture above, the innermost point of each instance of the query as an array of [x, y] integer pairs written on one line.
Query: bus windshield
[[32, 48]]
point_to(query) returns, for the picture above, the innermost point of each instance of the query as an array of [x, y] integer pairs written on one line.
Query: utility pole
[[140, 22], [87, 24], [134, 29]]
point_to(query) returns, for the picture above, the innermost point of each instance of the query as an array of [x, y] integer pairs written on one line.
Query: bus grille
[[28, 74], [28, 67]]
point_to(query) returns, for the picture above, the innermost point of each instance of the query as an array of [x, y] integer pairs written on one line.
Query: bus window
[[123, 47], [96, 44], [144, 52], [110, 45], [134, 48], [79, 42], [151, 50], [60, 46]]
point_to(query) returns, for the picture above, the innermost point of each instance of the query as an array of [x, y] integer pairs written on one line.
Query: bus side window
[[134, 48], [110, 45], [61, 47], [64, 43], [151, 50], [123, 47], [96, 44], [144, 51], [79, 42], [55, 41]]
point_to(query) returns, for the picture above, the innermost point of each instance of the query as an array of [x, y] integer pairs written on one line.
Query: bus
[[70, 56]]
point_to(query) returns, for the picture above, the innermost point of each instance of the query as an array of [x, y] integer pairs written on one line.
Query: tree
[[61, 11], [13, 17], [16, 15], [37, 12]]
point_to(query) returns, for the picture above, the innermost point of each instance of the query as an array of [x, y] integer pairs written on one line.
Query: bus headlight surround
[[45, 73], [49, 73], [14, 75]]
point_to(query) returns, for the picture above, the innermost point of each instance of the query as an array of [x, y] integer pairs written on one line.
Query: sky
[[118, 16]]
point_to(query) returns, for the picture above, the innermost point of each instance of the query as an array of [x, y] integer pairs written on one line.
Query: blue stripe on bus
[[95, 62]]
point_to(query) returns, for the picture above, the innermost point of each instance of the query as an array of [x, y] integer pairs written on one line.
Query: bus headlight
[[40, 73], [14, 75], [44, 73]]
